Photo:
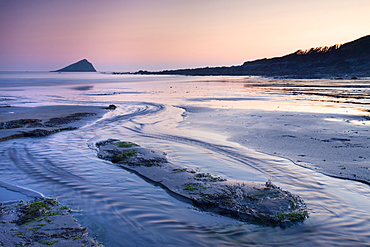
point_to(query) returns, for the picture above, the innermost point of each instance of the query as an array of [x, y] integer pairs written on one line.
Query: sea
[[120, 208]]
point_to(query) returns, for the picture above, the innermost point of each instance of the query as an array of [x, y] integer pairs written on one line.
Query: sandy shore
[[16, 121], [333, 144]]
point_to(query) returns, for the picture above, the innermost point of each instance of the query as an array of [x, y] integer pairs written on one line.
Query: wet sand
[[318, 132], [275, 121]]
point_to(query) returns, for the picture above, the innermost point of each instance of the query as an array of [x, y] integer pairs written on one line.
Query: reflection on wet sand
[[242, 128]]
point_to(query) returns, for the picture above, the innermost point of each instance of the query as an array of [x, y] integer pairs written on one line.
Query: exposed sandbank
[[333, 144]]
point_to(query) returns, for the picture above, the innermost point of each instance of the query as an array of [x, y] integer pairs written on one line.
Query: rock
[[45, 132], [53, 122], [40, 222], [38, 128], [260, 203], [21, 123], [111, 107], [80, 66]]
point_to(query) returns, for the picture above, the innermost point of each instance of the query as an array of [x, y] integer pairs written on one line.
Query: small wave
[[22, 190]]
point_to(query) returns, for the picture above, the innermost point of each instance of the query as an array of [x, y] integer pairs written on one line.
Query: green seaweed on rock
[[193, 187], [294, 216], [33, 211], [178, 170], [124, 156], [127, 144], [36, 206], [48, 242]]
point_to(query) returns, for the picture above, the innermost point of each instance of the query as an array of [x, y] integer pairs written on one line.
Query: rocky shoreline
[[258, 203], [41, 222]]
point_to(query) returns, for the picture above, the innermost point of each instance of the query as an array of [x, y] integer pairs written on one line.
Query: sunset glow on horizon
[[155, 35]]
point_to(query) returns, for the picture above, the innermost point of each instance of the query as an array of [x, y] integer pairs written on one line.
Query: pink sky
[[122, 35]]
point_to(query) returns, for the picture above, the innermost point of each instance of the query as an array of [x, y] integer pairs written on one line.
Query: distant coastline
[[350, 60]]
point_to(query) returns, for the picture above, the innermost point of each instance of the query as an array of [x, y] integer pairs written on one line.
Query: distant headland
[[80, 66], [351, 59]]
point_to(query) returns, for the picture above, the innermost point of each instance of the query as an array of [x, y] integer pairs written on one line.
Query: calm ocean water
[[121, 209]]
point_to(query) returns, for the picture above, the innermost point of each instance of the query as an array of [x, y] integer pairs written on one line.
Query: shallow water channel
[[122, 209]]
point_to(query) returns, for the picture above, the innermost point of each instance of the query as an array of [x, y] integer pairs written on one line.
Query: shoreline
[[41, 221]]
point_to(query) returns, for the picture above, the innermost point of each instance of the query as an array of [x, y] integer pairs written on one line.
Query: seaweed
[[127, 144], [123, 156], [178, 170], [293, 216], [194, 186]]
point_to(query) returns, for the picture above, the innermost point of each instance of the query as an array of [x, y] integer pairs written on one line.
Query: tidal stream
[[121, 209]]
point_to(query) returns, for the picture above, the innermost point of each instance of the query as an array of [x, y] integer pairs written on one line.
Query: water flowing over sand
[[304, 135]]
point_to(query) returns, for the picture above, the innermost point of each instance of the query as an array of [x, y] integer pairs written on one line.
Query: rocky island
[[80, 66], [258, 203]]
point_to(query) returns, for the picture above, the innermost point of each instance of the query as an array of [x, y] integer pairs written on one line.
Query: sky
[[123, 35]]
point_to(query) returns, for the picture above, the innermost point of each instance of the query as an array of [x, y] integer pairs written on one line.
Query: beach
[[241, 128], [336, 145]]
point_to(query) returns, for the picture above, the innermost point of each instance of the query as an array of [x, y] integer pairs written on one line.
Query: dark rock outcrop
[[53, 122], [259, 203], [44, 132], [58, 121], [41, 222], [80, 66], [21, 123], [111, 107], [38, 128], [351, 59]]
